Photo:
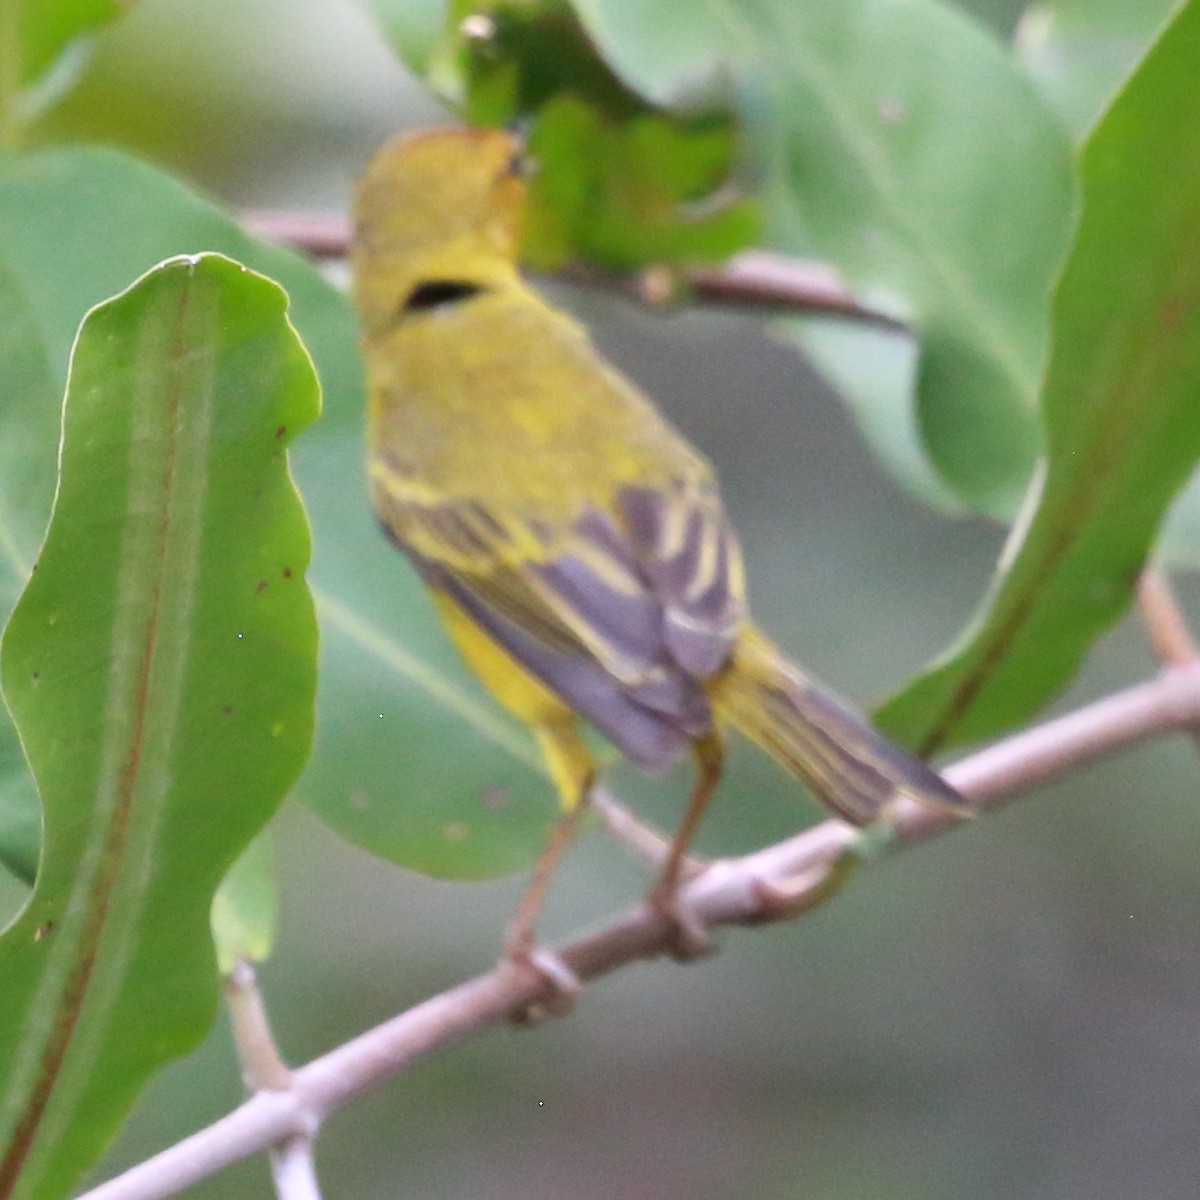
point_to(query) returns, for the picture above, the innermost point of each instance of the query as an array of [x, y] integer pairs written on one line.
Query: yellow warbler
[[575, 543]]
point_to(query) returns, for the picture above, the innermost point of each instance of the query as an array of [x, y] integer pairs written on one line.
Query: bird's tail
[[854, 769]]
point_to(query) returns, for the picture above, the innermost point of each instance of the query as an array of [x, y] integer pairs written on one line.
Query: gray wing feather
[[693, 562], [627, 623]]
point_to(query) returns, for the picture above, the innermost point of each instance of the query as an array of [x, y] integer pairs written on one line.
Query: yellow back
[[492, 395]]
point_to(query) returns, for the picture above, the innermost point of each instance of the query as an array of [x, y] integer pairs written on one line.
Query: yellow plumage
[[575, 542]]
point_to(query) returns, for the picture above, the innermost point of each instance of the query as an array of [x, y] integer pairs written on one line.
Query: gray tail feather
[[849, 765]]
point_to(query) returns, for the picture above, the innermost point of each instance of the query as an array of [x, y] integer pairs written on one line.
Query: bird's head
[[434, 208]]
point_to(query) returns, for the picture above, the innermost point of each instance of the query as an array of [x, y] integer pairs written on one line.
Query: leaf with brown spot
[[176, 388]]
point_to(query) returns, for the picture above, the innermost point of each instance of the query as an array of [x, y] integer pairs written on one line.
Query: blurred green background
[[1010, 1011]]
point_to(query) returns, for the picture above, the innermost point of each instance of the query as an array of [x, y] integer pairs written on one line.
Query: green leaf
[[620, 182], [75, 226], [442, 781], [20, 811], [161, 669], [1079, 52], [1179, 541], [415, 27], [652, 50], [896, 141], [1123, 422], [245, 907], [877, 367], [45, 28], [30, 401], [525, 55], [39, 44], [29, 423], [617, 192], [892, 138]]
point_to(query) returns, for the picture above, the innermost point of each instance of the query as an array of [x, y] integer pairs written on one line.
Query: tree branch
[[1170, 634], [755, 280], [293, 1167], [1168, 627], [319, 236], [759, 280], [776, 883], [650, 846], [262, 1067]]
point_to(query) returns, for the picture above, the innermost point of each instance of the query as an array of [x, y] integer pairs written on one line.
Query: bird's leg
[[522, 929], [689, 938], [520, 943], [574, 774]]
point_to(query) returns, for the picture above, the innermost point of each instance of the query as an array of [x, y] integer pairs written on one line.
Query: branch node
[[687, 936], [781, 880], [783, 899], [308, 1121], [561, 985]]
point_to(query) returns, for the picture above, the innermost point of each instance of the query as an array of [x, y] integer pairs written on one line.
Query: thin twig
[[262, 1067], [773, 884], [293, 1167], [317, 235], [648, 845], [1168, 627], [757, 280]]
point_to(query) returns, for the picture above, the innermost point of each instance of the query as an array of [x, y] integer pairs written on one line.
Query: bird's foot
[[560, 985], [688, 937]]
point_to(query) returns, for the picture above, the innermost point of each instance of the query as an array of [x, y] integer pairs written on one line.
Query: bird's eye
[[440, 293]]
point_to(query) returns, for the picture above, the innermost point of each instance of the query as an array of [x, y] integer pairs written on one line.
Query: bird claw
[[560, 985], [688, 938]]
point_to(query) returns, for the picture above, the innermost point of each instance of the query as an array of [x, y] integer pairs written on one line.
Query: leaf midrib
[[64, 992]]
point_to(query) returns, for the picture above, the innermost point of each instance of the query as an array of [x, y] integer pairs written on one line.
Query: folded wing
[[625, 614]]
